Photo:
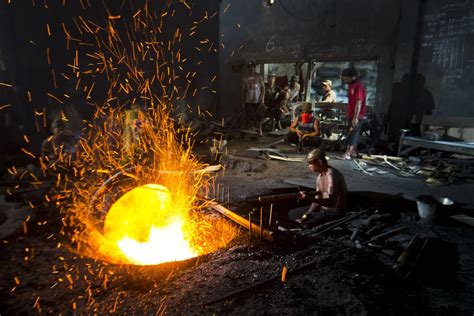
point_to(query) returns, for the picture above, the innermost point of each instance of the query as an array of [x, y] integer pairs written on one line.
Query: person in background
[[290, 94], [304, 130], [57, 149], [293, 90], [329, 94], [253, 96], [330, 201], [273, 100], [355, 110]]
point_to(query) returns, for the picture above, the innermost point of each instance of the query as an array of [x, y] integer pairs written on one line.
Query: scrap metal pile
[[435, 171]]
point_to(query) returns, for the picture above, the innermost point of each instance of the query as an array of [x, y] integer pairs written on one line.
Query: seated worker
[[304, 130], [330, 201], [58, 147], [329, 94], [273, 100]]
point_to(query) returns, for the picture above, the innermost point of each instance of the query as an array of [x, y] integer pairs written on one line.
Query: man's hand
[[299, 133], [302, 195], [355, 121]]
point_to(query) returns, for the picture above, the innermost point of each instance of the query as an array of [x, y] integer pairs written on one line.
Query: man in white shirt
[[253, 96]]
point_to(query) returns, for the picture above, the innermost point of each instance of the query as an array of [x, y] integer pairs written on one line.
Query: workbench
[[408, 143]]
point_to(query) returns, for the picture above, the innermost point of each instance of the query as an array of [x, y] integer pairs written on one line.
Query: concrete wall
[[323, 30]]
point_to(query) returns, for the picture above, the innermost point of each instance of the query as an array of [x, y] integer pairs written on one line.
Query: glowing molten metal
[[148, 227]]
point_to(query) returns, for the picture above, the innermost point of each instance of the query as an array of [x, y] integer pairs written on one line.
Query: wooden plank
[[371, 157], [292, 159], [337, 105]]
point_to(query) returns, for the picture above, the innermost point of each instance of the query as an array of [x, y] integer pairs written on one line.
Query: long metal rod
[[255, 229], [278, 197], [270, 216], [339, 222]]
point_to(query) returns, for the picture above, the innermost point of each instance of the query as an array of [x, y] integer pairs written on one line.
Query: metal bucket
[[426, 208]]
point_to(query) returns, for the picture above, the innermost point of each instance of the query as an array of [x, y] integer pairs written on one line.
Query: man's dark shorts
[[353, 138]]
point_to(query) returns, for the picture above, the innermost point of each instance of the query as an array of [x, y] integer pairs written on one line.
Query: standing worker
[[355, 111], [253, 96], [273, 100]]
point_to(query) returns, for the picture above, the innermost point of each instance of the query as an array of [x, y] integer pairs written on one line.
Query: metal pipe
[[342, 221], [270, 216], [267, 234], [277, 197]]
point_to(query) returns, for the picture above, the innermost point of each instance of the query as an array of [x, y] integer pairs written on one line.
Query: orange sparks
[[29, 153], [37, 305], [54, 98], [139, 75]]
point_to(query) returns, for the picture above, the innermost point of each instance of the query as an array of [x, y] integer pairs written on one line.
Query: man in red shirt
[[355, 111]]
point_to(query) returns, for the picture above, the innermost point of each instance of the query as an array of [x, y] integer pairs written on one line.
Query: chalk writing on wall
[[447, 39]]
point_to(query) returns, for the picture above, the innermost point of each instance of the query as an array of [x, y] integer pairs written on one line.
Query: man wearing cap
[[304, 130], [330, 201], [253, 96], [293, 90], [329, 94], [273, 100], [355, 110]]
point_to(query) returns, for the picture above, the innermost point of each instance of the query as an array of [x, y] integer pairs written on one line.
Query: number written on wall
[[270, 47]]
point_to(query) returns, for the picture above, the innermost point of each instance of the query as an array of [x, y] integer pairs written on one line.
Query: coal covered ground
[[54, 280]]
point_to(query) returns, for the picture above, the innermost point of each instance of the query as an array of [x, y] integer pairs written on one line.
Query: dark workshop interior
[[260, 157]]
